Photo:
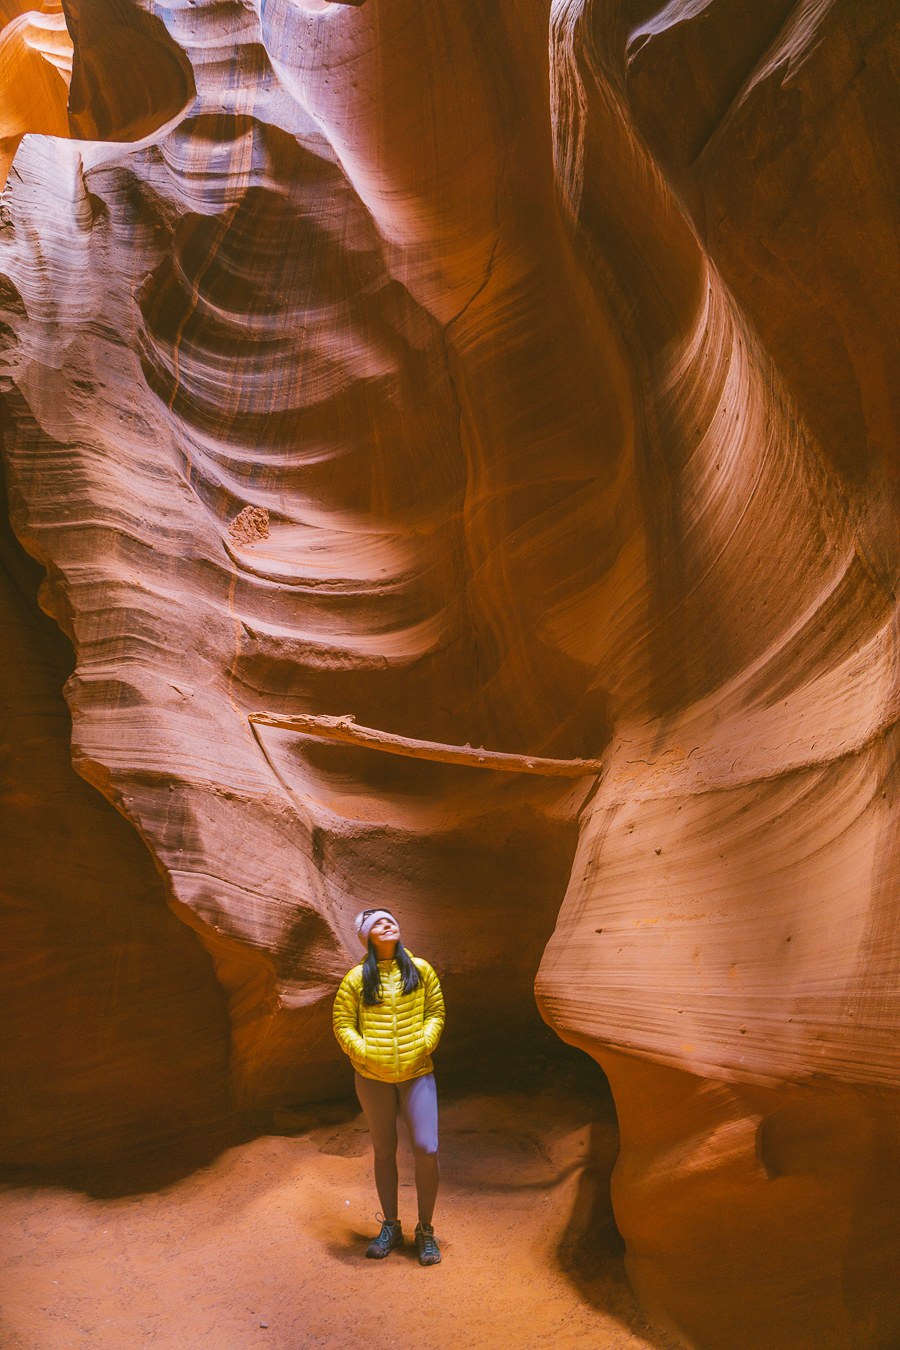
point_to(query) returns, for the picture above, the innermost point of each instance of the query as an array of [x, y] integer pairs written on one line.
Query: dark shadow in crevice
[[146, 1170], [591, 1251], [530, 1059]]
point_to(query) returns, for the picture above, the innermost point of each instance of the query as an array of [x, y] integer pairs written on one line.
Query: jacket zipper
[[394, 1010]]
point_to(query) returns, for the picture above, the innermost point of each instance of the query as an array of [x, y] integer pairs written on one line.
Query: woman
[[388, 1017]]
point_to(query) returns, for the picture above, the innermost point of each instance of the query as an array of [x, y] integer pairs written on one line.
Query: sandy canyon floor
[[265, 1246]]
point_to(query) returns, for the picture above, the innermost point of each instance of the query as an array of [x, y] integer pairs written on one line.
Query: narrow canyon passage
[[518, 374]]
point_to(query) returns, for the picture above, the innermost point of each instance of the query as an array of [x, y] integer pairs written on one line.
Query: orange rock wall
[[115, 1034], [562, 390]]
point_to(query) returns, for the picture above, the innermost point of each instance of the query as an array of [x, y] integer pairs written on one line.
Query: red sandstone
[[567, 390]]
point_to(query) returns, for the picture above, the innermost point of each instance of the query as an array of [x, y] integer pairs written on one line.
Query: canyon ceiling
[[506, 375]]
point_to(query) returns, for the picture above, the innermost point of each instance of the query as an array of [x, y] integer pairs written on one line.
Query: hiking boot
[[427, 1245], [391, 1236]]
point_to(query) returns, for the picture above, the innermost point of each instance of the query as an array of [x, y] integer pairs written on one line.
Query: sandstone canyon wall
[[506, 374]]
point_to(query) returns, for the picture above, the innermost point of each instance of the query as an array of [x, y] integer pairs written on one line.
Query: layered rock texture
[[506, 375]]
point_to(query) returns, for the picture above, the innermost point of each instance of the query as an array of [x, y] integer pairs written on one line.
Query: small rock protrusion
[[249, 526]]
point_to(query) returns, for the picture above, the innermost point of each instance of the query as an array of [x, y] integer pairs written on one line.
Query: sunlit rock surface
[[370, 360], [35, 74]]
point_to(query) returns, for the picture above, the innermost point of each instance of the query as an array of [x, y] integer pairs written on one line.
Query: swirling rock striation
[[548, 406], [115, 1034]]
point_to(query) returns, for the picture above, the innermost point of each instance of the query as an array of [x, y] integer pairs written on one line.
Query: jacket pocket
[[421, 1050]]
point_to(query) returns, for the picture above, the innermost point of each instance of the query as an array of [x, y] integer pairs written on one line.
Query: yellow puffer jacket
[[393, 1040]]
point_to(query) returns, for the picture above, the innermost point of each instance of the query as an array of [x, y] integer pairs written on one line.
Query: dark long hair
[[371, 979]]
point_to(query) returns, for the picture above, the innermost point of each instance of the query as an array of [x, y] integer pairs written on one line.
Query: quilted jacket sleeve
[[434, 1008], [344, 1018]]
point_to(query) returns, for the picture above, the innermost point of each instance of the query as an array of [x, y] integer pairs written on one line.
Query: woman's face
[[385, 932]]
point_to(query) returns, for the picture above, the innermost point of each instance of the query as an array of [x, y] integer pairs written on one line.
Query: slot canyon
[[518, 380]]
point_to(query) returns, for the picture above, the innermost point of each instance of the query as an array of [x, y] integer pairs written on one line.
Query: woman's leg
[[418, 1103], [379, 1104]]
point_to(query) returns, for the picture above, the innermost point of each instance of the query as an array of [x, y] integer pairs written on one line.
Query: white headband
[[364, 923]]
